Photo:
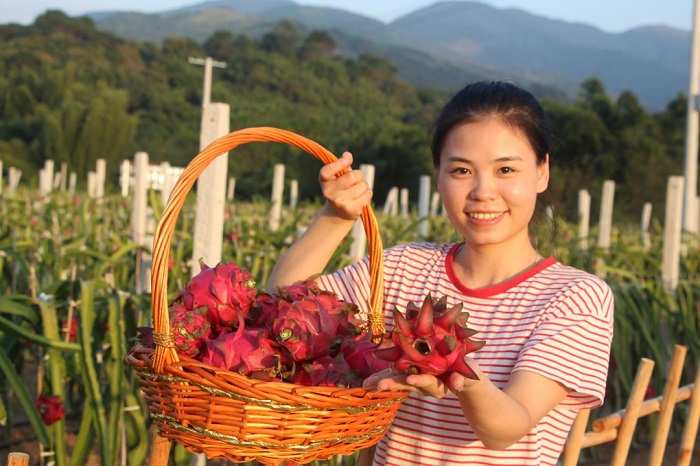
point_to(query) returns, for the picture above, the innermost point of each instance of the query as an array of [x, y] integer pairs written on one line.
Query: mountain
[[449, 43]]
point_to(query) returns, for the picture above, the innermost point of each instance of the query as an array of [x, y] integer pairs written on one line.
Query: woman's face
[[489, 179]]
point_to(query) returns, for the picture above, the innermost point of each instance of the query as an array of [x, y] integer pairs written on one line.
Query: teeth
[[484, 216]]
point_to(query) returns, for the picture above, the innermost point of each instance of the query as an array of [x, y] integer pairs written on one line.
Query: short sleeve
[[571, 343]]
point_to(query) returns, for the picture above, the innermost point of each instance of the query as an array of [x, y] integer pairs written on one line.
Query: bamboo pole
[[668, 403], [652, 405], [572, 450], [690, 430], [629, 419]]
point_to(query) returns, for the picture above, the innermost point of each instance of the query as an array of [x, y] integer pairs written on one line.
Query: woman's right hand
[[346, 193]]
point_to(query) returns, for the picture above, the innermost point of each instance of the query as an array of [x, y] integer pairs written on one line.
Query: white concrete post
[[208, 63], [690, 208], [672, 232], [276, 197], [391, 204], [358, 248], [56, 181], [423, 205], [168, 182], [293, 194], [72, 181], [100, 176], [606, 213], [45, 181], [64, 176], [125, 177], [92, 185], [435, 203], [403, 199], [141, 181], [211, 191], [231, 189], [13, 180], [646, 220]]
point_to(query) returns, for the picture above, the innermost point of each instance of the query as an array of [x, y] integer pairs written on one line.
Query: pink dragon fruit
[[328, 371], [432, 339], [226, 290], [190, 329], [263, 311], [312, 326], [250, 352], [359, 354]]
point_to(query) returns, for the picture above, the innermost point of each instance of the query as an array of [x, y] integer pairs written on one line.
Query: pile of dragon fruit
[[308, 336]]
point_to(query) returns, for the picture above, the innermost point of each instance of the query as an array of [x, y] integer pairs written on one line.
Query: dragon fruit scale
[[250, 352], [226, 290], [190, 329], [430, 339]]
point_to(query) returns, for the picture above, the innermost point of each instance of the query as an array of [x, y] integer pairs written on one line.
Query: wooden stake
[[668, 403]]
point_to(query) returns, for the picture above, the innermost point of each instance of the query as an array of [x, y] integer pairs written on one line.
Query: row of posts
[[214, 190]]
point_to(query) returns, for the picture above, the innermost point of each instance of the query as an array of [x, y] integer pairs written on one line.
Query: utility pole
[[690, 204], [208, 63]]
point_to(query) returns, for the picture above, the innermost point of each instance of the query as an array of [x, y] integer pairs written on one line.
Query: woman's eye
[[506, 170], [461, 171]]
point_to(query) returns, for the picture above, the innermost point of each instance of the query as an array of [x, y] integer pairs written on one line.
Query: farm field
[[70, 275]]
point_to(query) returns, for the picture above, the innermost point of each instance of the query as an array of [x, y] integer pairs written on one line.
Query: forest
[[72, 93]]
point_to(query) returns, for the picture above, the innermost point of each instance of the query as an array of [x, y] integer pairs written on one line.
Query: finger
[[336, 168]]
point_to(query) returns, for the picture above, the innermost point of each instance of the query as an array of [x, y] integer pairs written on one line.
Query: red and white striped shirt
[[554, 320]]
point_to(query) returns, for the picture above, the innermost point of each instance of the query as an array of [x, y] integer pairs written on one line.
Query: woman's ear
[[543, 175]]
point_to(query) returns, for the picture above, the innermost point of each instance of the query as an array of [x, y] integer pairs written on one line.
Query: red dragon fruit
[[432, 339], [328, 371], [190, 329], [226, 290], [263, 311], [250, 352], [359, 354], [313, 326]]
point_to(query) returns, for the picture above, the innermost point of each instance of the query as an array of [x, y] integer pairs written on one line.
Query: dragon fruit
[[250, 352], [226, 290], [190, 329], [432, 339], [263, 311], [327, 371], [314, 325], [359, 354]]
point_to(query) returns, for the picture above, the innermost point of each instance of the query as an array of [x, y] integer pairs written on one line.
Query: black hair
[[496, 99], [511, 104]]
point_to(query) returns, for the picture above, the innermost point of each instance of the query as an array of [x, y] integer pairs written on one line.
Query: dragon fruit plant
[[430, 339]]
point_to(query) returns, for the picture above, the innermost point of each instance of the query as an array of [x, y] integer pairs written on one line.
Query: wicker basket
[[227, 415]]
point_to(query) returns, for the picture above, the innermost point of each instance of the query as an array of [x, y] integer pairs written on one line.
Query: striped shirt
[[553, 320]]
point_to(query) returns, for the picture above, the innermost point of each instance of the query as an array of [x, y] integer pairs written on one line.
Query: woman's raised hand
[[345, 190]]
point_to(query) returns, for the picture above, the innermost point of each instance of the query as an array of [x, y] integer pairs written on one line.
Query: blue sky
[[608, 15]]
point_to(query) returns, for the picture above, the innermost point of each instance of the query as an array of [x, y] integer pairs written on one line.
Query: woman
[[547, 326]]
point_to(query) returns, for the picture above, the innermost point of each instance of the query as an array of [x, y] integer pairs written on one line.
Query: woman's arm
[[499, 418], [346, 194]]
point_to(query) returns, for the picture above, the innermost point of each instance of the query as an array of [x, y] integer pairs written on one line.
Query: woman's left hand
[[423, 384]]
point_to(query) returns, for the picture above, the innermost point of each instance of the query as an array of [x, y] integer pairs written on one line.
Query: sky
[[608, 15]]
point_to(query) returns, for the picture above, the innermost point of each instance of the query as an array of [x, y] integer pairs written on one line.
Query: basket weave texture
[[224, 414]]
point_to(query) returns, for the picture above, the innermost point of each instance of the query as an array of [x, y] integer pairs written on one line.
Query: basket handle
[[165, 351]]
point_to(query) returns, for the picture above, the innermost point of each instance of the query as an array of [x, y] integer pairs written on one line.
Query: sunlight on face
[[489, 180]]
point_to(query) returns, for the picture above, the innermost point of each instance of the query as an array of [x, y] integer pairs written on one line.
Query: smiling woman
[[525, 386]]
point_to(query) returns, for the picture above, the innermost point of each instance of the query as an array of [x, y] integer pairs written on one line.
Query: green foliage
[[73, 94]]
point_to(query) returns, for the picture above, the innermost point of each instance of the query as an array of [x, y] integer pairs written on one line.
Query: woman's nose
[[483, 188]]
